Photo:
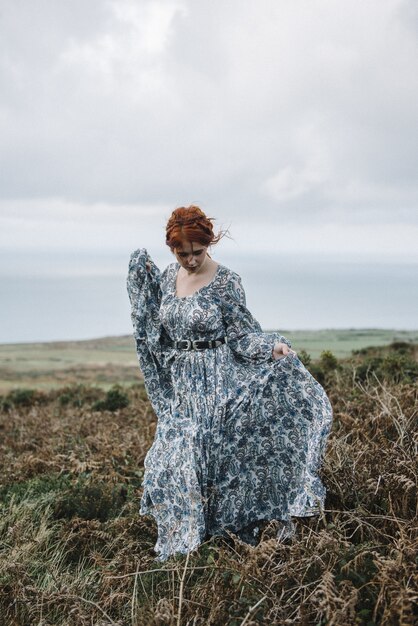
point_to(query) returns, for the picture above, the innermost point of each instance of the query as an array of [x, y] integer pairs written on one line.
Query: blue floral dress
[[240, 435]]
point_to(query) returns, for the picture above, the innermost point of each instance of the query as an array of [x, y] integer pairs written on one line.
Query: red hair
[[190, 224]]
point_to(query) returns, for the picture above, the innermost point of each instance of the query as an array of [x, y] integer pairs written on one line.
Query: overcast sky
[[293, 122]]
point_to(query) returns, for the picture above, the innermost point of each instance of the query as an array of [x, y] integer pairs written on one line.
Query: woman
[[242, 425]]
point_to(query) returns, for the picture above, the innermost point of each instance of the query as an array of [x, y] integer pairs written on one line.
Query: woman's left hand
[[281, 350]]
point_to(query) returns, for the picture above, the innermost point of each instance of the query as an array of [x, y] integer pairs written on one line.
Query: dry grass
[[74, 551]]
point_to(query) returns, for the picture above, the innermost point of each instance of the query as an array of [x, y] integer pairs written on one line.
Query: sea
[[283, 293]]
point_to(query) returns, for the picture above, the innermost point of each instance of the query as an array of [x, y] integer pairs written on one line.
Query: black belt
[[198, 344]]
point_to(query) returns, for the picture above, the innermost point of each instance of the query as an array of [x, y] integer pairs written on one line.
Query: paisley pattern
[[240, 435]]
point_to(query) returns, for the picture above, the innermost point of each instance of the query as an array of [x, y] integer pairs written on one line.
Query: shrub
[[305, 358], [78, 395], [95, 500], [324, 369], [5, 404], [23, 398], [393, 367], [402, 347], [116, 398], [34, 488], [328, 361]]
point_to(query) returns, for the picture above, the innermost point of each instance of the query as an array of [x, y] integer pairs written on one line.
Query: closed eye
[[184, 254]]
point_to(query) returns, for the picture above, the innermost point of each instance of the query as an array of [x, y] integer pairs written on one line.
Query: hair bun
[[190, 224]]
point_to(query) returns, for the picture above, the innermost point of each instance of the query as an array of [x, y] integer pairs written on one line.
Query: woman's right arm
[[139, 262], [144, 289]]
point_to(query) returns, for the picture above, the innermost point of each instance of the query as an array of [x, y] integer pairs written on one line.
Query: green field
[[342, 342], [110, 360]]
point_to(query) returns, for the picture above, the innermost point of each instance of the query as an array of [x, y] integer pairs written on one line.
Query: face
[[191, 255]]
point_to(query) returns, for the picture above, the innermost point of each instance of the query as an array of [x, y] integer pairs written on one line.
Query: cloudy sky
[[293, 122]]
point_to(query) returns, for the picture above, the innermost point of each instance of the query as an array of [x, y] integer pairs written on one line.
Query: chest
[[196, 316], [188, 285]]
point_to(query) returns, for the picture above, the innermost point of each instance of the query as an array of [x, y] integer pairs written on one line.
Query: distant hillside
[[108, 360]]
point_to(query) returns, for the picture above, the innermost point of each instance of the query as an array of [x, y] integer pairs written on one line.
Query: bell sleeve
[[244, 334], [144, 291]]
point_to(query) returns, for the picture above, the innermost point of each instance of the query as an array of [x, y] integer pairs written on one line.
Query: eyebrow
[[192, 252]]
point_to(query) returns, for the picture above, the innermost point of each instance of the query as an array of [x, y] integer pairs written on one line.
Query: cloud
[[298, 115], [128, 48], [58, 225]]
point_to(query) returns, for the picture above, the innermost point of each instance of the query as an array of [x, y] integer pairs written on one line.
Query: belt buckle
[[195, 341], [189, 344]]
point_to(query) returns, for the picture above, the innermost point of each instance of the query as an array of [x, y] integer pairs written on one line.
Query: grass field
[[74, 550], [110, 360]]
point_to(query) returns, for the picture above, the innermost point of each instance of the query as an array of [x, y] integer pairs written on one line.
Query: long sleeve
[[244, 334], [145, 297]]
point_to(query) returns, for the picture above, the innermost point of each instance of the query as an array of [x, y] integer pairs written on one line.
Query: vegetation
[[75, 551], [107, 361]]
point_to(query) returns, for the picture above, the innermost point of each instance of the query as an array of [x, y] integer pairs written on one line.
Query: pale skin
[[197, 270]]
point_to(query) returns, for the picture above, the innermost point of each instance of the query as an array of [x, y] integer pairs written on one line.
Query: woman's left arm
[[244, 334]]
